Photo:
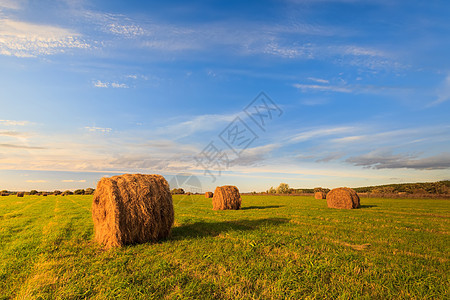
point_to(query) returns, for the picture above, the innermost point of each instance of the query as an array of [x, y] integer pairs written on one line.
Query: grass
[[275, 247]]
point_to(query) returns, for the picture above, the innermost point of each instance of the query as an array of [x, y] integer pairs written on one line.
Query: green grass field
[[283, 247]]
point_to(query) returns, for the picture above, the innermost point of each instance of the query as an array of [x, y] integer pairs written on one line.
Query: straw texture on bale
[[208, 195], [132, 208], [226, 197], [343, 197], [320, 195], [20, 194]]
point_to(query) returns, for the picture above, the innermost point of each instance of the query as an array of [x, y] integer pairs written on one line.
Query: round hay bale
[[320, 195], [226, 197], [343, 197], [20, 194], [208, 194], [132, 208]]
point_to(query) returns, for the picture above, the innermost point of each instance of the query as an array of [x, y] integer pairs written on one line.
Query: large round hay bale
[[320, 195], [132, 208], [226, 197], [343, 197], [20, 194], [208, 194]]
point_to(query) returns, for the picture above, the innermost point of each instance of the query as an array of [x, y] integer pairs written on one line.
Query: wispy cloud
[[119, 85], [386, 160], [195, 124], [322, 132], [322, 88], [10, 4], [71, 180], [319, 80], [14, 123], [36, 181], [102, 84], [443, 92], [20, 146], [97, 129], [23, 39], [13, 134]]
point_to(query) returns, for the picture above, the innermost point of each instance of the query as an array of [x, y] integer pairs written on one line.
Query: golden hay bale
[[320, 195], [132, 208], [5, 194], [226, 197], [208, 194], [20, 194], [343, 198]]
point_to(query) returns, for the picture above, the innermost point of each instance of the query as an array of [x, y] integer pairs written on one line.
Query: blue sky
[[98, 88]]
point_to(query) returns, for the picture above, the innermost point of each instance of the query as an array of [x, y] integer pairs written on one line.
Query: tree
[[68, 192], [89, 191], [57, 192], [283, 188], [178, 191], [33, 192], [79, 192], [271, 190]]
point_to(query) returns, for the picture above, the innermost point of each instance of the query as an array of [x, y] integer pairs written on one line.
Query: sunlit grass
[[274, 247]]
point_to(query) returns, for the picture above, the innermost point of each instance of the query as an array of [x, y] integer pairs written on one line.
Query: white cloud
[[22, 39], [125, 30], [98, 129], [316, 133], [10, 4], [119, 85], [327, 88], [346, 139], [14, 123], [103, 84], [319, 80], [443, 92], [71, 180], [100, 84], [197, 124]]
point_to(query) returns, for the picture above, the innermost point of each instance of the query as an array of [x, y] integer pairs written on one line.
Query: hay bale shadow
[[262, 207], [211, 229], [367, 206]]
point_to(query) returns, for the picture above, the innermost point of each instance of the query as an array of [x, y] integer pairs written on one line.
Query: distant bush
[[89, 191], [68, 192], [33, 192], [79, 192], [178, 191], [283, 188]]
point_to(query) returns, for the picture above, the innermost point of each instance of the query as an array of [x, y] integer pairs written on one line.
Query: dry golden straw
[[208, 195], [132, 208], [226, 197], [343, 197], [320, 195]]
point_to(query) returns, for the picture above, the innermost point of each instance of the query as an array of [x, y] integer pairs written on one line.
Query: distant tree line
[[178, 191], [438, 188], [421, 188], [88, 191]]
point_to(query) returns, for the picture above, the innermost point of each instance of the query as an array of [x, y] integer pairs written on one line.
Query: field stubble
[[274, 247]]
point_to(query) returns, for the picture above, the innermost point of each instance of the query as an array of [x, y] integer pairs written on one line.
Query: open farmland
[[274, 247]]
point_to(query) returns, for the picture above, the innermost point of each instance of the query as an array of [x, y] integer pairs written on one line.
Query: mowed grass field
[[275, 247]]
